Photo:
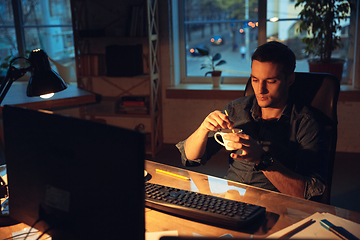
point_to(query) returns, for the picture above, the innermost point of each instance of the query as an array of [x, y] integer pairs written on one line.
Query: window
[[239, 26], [228, 28], [44, 24]]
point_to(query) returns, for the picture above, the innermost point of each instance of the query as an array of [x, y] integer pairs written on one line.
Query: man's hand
[[252, 151], [215, 121], [196, 143]]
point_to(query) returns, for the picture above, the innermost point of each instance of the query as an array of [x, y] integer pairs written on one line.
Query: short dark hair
[[276, 52]]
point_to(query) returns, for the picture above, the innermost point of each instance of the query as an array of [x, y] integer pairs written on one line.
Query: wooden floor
[[345, 192]]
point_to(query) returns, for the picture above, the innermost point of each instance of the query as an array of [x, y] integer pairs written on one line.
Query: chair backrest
[[321, 91]]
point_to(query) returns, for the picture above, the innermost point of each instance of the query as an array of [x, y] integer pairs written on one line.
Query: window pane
[[285, 29], [56, 41], [48, 26], [225, 27], [8, 45]]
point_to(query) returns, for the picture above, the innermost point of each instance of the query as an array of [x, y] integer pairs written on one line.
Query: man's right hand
[[216, 120], [196, 143]]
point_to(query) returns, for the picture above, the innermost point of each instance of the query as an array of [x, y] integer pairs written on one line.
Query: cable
[[47, 230], [32, 226], [19, 235], [16, 236]]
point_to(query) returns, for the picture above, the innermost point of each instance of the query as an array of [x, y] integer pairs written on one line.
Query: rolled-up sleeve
[[212, 147], [186, 162], [313, 187]]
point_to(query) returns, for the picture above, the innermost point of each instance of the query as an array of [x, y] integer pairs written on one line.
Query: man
[[282, 147]]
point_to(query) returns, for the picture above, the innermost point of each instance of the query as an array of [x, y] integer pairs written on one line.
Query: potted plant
[[4, 66], [213, 62], [321, 20]]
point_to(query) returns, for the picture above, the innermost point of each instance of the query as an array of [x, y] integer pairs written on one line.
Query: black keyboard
[[201, 207]]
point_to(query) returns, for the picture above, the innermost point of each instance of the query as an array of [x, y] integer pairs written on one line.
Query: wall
[[348, 127], [182, 116]]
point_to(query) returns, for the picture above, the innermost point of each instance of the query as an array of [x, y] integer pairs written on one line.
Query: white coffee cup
[[224, 142]]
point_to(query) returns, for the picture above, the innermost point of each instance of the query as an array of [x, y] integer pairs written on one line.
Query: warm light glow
[[212, 40], [251, 24], [192, 50], [274, 19], [172, 174], [241, 30], [46, 96], [219, 40]]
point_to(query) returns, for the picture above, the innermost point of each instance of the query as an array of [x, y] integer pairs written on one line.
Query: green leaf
[[205, 66], [216, 57], [220, 63], [318, 20]]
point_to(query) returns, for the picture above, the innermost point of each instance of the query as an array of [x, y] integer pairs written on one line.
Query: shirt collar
[[256, 111]]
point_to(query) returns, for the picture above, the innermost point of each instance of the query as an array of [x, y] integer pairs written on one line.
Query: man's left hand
[[251, 150]]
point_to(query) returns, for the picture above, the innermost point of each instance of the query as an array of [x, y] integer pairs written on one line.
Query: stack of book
[[133, 105]]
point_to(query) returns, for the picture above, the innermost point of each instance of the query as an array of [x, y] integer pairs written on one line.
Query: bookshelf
[[116, 50]]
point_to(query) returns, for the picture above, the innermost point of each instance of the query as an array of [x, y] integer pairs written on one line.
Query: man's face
[[269, 84]]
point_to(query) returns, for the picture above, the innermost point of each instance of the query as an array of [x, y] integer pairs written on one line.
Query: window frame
[[179, 51]]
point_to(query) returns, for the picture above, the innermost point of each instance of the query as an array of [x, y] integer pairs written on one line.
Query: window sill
[[205, 91], [349, 93], [232, 91]]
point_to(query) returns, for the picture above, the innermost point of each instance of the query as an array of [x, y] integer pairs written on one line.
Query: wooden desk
[[72, 96], [282, 210]]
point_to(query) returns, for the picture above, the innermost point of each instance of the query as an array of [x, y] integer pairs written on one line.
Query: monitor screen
[[75, 178]]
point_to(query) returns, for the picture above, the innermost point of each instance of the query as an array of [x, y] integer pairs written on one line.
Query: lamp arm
[[12, 75]]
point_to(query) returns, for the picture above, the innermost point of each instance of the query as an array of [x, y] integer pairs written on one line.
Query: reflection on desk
[[282, 210]]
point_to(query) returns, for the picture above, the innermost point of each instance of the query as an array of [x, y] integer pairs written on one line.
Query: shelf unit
[[98, 24]]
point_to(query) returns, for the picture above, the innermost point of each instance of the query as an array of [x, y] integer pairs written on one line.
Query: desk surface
[[71, 96], [282, 210]]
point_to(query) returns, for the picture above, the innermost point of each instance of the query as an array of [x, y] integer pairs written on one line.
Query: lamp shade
[[43, 79]]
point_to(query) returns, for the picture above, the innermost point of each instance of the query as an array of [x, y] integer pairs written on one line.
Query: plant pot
[[335, 67], [215, 77]]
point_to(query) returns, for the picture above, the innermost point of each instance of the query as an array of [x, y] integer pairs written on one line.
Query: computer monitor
[[80, 179]]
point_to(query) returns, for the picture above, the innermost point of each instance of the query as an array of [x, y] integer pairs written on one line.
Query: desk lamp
[[43, 79]]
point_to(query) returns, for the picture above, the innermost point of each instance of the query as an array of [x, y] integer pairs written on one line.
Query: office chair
[[321, 91]]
